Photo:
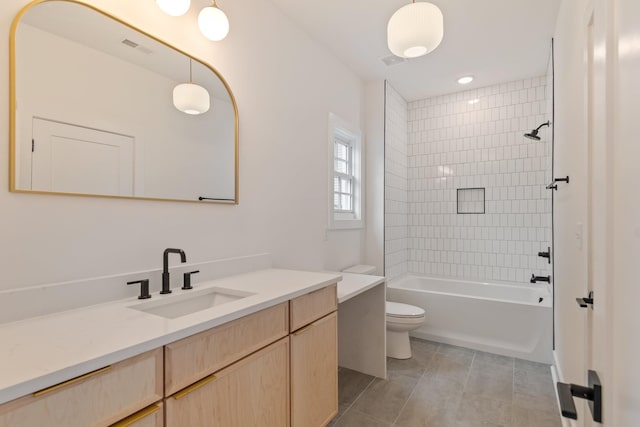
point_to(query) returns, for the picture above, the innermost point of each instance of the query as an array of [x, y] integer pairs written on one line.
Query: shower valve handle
[[554, 186], [546, 254]]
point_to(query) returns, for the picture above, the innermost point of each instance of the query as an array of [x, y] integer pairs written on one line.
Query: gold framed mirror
[[101, 108]]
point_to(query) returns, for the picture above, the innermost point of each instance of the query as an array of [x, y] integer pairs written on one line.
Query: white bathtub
[[512, 320]]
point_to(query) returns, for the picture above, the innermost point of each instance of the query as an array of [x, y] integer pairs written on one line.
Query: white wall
[[454, 144], [285, 85], [395, 190]]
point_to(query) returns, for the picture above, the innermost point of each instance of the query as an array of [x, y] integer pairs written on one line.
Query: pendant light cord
[[190, 70]]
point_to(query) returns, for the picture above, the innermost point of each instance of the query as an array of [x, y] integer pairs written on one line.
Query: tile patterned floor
[[448, 386]]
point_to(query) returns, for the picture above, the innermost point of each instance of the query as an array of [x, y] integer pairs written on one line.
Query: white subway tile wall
[[469, 139], [395, 192]]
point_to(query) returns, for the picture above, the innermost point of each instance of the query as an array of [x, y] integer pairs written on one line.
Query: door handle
[[586, 301], [593, 393]]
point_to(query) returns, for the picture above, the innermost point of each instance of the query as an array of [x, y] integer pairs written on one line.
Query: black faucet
[[165, 267], [535, 279]]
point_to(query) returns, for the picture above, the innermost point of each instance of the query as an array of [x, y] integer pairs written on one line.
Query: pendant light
[[415, 30], [213, 23], [174, 7], [191, 98]]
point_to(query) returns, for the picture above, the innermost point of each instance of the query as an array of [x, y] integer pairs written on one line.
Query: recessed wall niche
[[470, 201]]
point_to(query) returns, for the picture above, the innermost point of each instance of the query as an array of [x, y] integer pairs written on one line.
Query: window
[[343, 177], [346, 181]]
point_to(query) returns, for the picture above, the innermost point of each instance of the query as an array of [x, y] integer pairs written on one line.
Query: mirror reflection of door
[[74, 159]]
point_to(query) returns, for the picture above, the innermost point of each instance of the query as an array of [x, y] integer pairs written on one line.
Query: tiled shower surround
[[474, 139]]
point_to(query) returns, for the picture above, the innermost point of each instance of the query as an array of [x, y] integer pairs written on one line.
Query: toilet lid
[[396, 309]]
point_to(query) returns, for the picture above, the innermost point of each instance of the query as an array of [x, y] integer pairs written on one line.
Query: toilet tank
[[360, 269]]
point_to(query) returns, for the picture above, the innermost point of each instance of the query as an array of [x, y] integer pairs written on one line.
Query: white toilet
[[401, 318]]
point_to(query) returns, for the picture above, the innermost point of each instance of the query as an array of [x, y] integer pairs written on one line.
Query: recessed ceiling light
[[465, 80]]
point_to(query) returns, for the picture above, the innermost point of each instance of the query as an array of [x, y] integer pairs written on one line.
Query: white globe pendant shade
[[415, 30], [174, 7], [191, 98], [213, 23]]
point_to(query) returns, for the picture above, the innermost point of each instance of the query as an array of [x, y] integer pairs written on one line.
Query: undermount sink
[[180, 305]]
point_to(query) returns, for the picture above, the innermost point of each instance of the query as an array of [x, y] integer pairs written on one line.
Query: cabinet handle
[[71, 381], [132, 419], [301, 331], [193, 387]]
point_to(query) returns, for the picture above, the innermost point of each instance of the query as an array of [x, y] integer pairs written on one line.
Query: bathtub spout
[[536, 279]]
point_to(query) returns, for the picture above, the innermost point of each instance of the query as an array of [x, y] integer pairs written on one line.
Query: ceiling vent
[[136, 46], [392, 60]]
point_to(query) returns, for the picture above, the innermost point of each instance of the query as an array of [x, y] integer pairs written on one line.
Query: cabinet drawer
[[251, 392], [190, 359], [96, 399], [151, 416], [312, 306]]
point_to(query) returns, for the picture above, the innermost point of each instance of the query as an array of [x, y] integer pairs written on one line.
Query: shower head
[[534, 133]]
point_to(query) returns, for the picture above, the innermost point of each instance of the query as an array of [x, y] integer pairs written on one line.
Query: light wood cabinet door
[[96, 399], [194, 357], [314, 373], [252, 392]]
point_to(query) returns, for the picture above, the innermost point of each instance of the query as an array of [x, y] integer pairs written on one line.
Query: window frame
[[347, 134], [348, 176]]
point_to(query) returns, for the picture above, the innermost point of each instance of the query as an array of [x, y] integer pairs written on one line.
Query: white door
[[613, 251], [623, 400], [599, 121], [74, 159]]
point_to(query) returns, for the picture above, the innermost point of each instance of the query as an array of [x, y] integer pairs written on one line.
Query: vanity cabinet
[[314, 358], [99, 398], [251, 392], [194, 357], [292, 381], [276, 367], [236, 374]]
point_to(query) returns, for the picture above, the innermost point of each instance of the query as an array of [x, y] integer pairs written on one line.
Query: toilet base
[[398, 345]]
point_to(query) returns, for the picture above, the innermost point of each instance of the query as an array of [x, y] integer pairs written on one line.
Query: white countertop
[[353, 284], [40, 352]]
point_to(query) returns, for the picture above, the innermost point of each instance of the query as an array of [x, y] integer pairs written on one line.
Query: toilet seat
[[403, 311]]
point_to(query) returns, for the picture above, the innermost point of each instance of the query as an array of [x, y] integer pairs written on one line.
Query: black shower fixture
[[534, 133]]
